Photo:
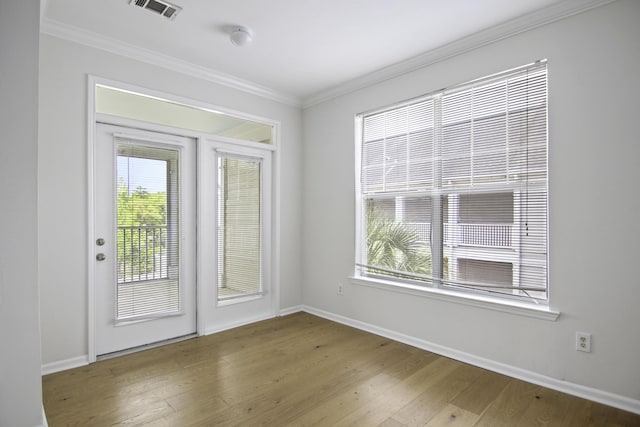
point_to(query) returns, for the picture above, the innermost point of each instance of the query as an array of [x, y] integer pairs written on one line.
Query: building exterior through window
[[453, 188]]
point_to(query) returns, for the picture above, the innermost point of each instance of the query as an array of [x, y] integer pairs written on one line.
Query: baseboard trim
[[291, 310], [75, 362], [600, 396], [63, 365]]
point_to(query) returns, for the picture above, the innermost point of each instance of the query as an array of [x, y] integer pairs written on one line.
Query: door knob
[[100, 241], [100, 257]]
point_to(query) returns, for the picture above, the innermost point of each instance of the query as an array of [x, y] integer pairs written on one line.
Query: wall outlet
[[583, 342], [340, 288]]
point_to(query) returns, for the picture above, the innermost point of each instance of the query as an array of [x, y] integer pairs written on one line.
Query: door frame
[[229, 314], [145, 330], [93, 118]]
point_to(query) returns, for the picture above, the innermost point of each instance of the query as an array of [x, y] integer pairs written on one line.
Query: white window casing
[[452, 189]]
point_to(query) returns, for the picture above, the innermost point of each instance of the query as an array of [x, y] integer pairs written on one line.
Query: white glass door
[[235, 234], [145, 228]]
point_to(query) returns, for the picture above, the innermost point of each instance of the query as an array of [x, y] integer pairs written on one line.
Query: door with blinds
[[145, 248], [235, 237]]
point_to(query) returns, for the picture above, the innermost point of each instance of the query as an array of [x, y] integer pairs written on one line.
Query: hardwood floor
[[303, 370]]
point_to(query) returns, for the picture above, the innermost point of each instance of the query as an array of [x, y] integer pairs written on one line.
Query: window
[[452, 188], [152, 109], [148, 231], [239, 227]]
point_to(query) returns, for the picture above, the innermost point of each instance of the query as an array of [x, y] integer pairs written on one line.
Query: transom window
[[452, 188]]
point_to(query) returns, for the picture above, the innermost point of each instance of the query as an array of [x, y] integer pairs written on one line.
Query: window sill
[[512, 307], [252, 297]]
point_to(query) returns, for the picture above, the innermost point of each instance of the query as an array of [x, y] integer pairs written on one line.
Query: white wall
[[594, 231], [20, 387], [62, 182]]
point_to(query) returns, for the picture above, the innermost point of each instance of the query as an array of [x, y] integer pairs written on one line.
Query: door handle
[[100, 257], [100, 241]]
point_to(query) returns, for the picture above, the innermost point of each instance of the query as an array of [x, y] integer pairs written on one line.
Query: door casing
[[122, 335], [93, 118]]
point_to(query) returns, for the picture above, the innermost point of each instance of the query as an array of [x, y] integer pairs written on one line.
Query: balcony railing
[[484, 235], [476, 235], [142, 253], [422, 230]]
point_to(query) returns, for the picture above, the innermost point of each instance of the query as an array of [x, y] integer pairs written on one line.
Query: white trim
[[230, 325], [189, 102], [201, 310], [91, 267], [270, 287], [291, 310], [170, 130], [63, 365], [496, 33], [200, 137], [547, 15], [604, 397], [108, 44], [275, 223], [44, 418], [497, 304]]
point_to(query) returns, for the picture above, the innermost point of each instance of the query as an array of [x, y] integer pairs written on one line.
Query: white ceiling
[[302, 49]]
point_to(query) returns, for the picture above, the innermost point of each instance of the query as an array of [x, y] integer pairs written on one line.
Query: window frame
[[503, 302], [134, 147], [221, 248], [206, 309]]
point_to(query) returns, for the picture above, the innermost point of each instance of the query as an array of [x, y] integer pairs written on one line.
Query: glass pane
[[136, 106], [398, 240], [147, 231], [490, 272], [239, 227], [455, 187]]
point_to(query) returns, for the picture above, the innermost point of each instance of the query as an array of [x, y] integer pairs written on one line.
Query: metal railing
[[483, 235], [142, 253], [476, 235], [421, 229]]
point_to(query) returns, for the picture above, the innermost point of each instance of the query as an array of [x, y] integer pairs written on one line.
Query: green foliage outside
[[140, 207], [142, 233], [391, 245]]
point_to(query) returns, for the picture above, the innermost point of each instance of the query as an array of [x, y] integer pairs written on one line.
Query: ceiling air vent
[[163, 8]]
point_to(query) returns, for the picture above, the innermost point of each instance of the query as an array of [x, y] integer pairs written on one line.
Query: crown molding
[[496, 33], [118, 47]]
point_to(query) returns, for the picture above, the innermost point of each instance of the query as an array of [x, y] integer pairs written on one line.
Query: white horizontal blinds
[[148, 282], [495, 131], [397, 149], [494, 159], [398, 156], [239, 227], [472, 187]]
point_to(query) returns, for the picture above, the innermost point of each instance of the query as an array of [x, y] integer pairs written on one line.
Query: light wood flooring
[[302, 370]]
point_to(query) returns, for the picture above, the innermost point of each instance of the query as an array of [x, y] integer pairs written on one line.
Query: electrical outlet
[[340, 288], [583, 342]]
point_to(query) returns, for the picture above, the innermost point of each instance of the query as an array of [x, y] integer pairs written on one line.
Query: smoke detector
[[241, 36], [162, 8]]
